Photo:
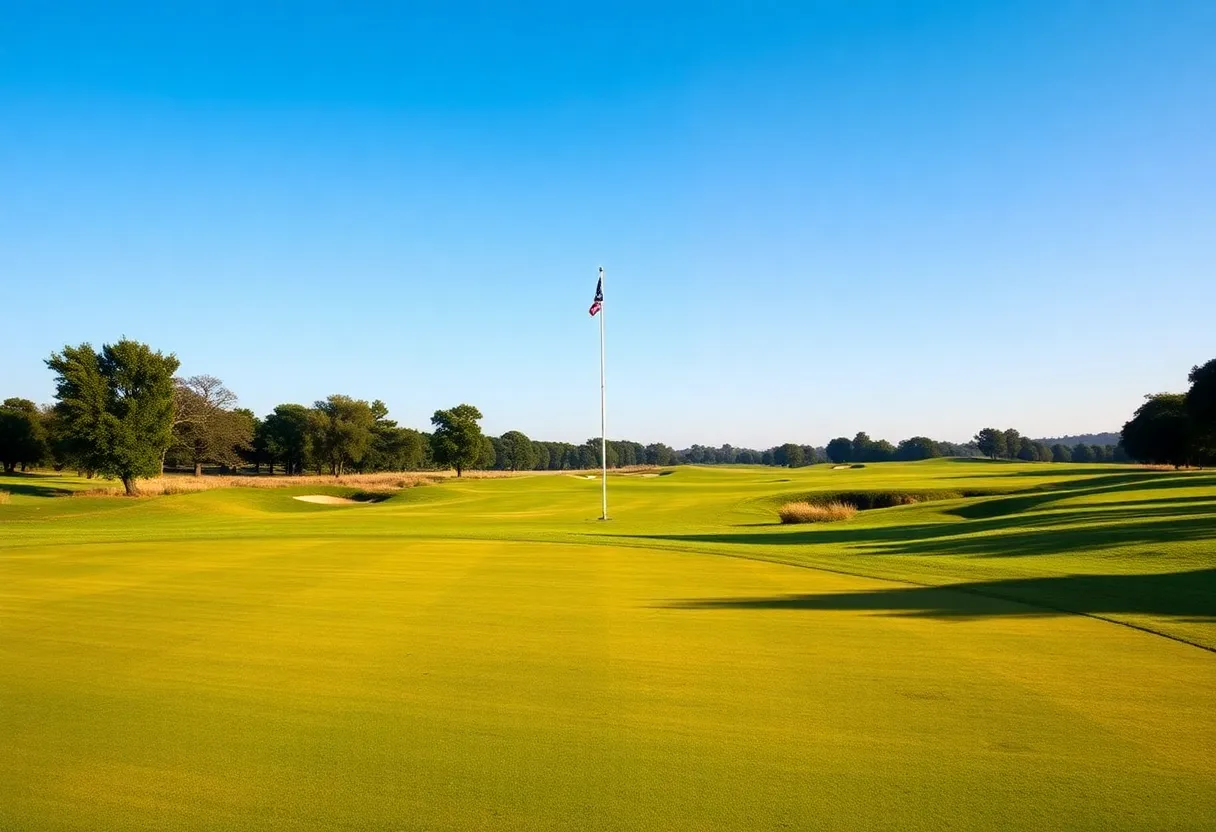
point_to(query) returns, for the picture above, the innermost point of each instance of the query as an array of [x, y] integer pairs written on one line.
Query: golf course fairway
[[1028, 646]]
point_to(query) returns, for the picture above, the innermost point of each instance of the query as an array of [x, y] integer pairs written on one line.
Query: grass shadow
[[1003, 536], [1189, 596], [31, 490]]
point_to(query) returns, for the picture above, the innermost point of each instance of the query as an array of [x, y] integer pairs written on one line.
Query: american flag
[[598, 303]]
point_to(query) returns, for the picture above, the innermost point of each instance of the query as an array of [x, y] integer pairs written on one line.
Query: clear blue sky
[[817, 218]]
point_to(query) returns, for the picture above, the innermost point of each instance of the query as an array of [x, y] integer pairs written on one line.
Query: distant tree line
[[123, 412], [1177, 429], [1010, 444]]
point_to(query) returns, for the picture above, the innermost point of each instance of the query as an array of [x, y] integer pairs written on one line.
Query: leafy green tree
[[862, 445], [116, 407], [880, 451], [1027, 452], [789, 455], [916, 447], [1082, 453], [456, 442], [517, 454], [991, 443], [23, 437], [540, 452], [1044, 451], [840, 450], [288, 437], [1061, 453], [341, 430], [256, 452], [1201, 405], [1013, 443], [659, 454], [392, 448], [1160, 432]]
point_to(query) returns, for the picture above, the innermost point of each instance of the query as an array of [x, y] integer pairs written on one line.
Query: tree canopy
[[1160, 432], [457, 439], [116, 406]]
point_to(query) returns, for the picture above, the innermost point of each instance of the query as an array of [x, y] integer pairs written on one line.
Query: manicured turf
[[487, 655]]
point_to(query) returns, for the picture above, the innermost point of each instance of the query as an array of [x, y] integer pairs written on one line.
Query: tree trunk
[[269, 467], [129, 484], [458, 470], [198, 469]]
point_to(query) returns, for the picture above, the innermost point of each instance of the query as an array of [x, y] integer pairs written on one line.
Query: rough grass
[[486, 654], [5, 497], [804, 512]]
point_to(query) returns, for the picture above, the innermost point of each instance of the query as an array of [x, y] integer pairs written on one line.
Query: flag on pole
[[598, 303]]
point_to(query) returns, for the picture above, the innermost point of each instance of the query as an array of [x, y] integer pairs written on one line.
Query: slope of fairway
[[487, 655]]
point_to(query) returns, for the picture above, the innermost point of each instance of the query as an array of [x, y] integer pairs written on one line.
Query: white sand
[[326, 500]]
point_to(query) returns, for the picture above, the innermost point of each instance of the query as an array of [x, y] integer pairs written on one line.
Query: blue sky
[[817, 218]]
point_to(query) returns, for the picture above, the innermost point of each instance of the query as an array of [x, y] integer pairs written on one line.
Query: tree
[[456, 441], [991, 442], [861, 447], [23, 436], [116, 407], [840, 450], [1013, 443], [1061, 453], [1027, 452], [341, 429], [1160, 432], [880, 451], [1082, 453], [1201, 404], [517, 452], [789, 455], [659, 454], [540, 452], [916, 447], [206, 429], [287, 437]]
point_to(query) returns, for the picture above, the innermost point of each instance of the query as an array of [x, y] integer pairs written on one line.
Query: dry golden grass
[[803, 512], [382, 482], [187, 485], [4, 498]]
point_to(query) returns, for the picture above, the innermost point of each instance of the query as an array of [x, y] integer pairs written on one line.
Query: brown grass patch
[[804, 512], [5, 497]]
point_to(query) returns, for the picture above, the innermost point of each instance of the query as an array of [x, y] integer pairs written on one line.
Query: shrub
[[803, 512]]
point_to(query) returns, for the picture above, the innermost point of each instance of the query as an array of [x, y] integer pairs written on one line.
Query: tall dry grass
[[388, 480], [188, 485], [804, 512], [4, 497]]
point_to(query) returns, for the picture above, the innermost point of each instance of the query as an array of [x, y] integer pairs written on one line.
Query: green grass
[[487, 655]]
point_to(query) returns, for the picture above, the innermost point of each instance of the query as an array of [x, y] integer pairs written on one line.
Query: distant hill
[[1084, 439]]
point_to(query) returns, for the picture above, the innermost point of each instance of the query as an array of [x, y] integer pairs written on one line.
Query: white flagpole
[[603, 412]]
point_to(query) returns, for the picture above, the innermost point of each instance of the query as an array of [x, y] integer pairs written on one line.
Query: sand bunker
[[326, 500]]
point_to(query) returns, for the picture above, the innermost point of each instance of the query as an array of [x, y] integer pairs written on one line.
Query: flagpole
[[603, 415]]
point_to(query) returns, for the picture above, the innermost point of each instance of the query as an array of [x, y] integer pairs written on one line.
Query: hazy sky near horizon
[[817, 218]]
